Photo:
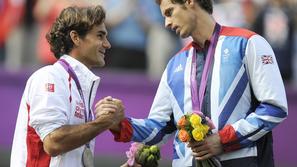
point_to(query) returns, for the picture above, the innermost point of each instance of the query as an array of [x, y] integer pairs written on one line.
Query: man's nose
[[106, 44], [168, 23]]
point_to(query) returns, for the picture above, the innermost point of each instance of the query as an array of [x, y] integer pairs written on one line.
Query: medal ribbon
[[71, 72], [198, 100]]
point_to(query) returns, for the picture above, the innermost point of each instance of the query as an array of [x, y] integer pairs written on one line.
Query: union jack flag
[[267, 59]]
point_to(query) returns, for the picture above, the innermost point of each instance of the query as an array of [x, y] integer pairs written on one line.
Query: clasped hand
[[110, 110]]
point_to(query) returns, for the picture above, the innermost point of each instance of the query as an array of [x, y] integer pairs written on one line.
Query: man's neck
[[205, 28], [74, 54]]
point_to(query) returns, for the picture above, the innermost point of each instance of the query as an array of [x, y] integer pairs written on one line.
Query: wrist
[[116, 127], [124, 133], [102, 123], [228, 138]]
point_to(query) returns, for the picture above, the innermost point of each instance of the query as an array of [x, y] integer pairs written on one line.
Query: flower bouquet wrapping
[[193, 127], [146, 156]]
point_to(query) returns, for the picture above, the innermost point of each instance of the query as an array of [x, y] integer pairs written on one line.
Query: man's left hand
[[209, 147]]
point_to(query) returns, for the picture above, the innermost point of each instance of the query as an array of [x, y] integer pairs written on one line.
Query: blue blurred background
[[140, 50]]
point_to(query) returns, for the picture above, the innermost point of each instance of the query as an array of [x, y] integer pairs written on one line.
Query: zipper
[[93, 83]]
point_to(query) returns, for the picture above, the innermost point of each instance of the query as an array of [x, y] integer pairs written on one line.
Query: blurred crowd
[[139, 40]]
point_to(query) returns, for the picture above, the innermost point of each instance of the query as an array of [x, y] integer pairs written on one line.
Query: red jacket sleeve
[[125, 133], [229, 139]]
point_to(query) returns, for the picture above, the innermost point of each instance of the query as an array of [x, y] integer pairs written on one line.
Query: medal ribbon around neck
[[198, 100], [71, 72]]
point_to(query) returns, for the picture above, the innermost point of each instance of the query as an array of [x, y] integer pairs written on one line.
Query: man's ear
[[75, 38], [190, 2]]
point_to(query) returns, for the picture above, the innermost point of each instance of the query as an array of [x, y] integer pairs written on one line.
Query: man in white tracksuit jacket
[[244, 95], [56, 125]]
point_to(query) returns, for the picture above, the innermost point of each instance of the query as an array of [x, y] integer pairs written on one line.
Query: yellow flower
[[195, 120], [205, 129], [198, 134]]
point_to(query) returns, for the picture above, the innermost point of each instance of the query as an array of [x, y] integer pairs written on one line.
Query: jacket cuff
[[125, 133], [229, 139]]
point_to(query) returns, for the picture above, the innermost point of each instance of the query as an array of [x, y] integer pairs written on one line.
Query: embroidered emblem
[[79, 110], [178, 68], [226, 51], [49, 87], [267, 59], [226, 54]]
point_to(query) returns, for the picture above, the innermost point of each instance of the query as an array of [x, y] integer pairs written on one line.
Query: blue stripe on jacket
[[175, 77], [233, 100]]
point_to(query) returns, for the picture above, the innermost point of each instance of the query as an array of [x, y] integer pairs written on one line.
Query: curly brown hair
[[79, 19], [204, 4]]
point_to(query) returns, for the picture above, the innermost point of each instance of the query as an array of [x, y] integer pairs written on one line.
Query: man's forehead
[[100, 28], [165, 4]]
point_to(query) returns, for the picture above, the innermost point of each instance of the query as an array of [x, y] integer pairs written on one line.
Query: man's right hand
[[110, 110]]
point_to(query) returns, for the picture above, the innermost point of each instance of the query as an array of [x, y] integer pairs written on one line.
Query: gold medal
[[88, 158]]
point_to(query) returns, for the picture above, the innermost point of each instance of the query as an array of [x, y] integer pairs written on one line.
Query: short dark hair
[[204, 4], [79, 19]]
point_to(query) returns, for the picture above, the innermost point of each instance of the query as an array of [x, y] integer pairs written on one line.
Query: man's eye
[[100, 35], [168, 12]]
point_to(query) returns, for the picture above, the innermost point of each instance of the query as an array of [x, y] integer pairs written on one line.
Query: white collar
[[82, 71]]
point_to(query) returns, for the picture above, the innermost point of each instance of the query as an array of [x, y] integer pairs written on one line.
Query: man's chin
[[98, 65], [184, 35], [101, 64]]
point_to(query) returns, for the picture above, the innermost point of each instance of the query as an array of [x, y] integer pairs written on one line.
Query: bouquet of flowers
[[193, 127], [146, 156]]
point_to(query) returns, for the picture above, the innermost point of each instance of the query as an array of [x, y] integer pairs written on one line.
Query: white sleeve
[[268, 88], [159, 125], [162, 108], [264, 74], [48, 106]]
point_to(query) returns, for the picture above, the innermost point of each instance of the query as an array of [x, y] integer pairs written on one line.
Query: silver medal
[[88, 158]]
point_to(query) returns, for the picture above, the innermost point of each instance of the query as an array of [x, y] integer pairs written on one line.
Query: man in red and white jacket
[[56, 125]]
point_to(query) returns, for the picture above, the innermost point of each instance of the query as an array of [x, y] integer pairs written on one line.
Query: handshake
[[109, 111]]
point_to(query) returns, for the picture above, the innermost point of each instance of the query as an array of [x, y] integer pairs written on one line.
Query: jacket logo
[[178, 68], [79, 110], [226, 54], [50, 87], [267, 59]]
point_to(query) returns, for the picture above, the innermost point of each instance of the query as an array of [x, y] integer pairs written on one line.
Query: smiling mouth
[[102, 52]]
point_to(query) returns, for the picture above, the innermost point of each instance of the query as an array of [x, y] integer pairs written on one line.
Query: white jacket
[[51, 100]]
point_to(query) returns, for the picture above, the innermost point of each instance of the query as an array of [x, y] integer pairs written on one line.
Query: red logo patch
[[79, 110], [267, 59], [50, 87]]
